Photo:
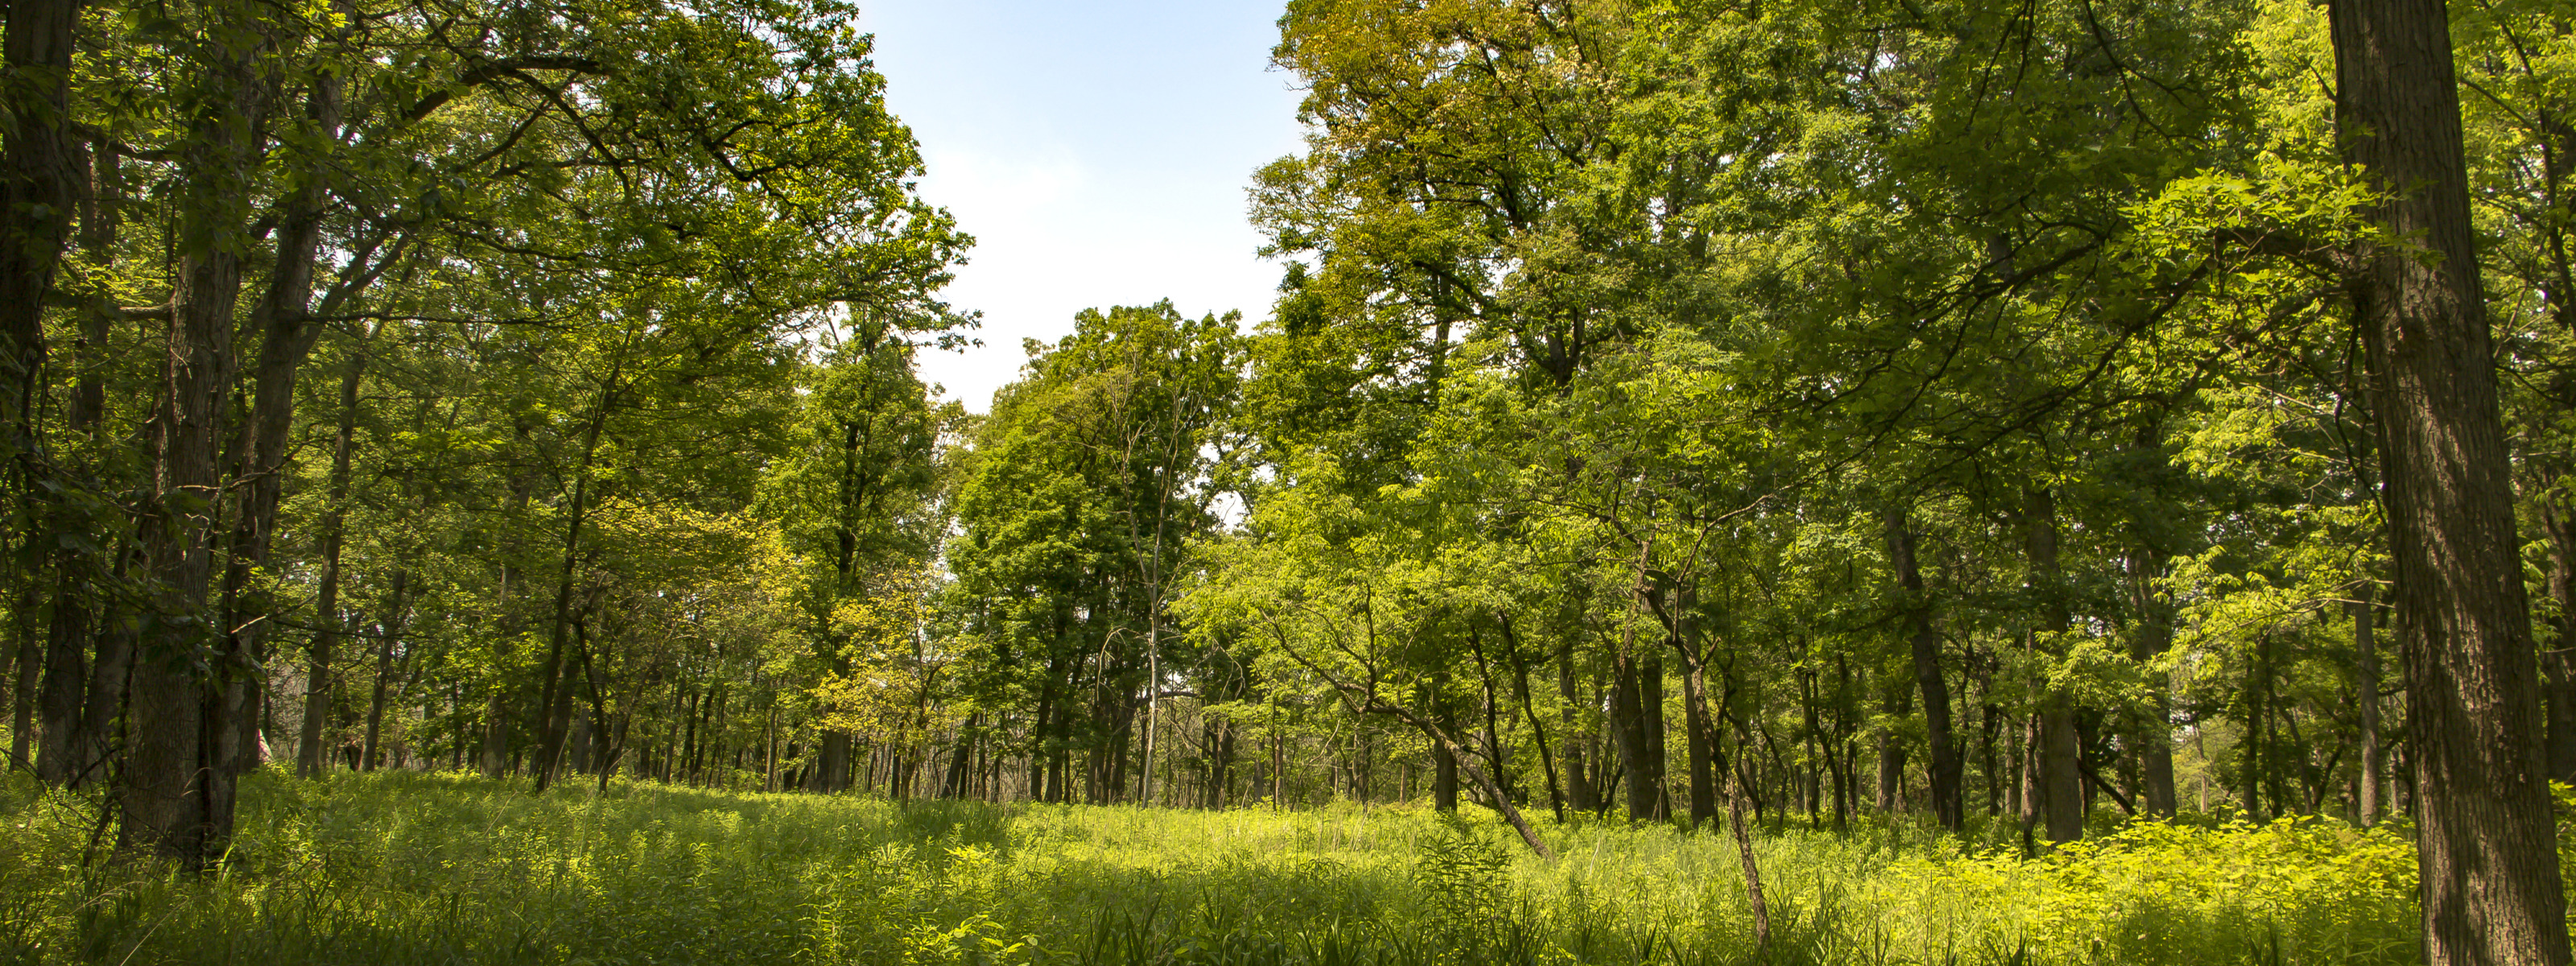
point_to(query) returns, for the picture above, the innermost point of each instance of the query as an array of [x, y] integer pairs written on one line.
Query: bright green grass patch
[[406, 868]]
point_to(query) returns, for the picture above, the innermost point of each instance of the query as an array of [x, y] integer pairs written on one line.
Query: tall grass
[[407, 868]]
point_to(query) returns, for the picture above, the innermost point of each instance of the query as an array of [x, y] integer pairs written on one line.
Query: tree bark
[[309, 759], [1538, 728], [1444, 780], [2374, 759], [2486, 846], [391, 628], [2057, 751], [2152, 728], [1893, 704], [1948, 793], [39, 182], [555, 701], [1577, 778], [178, 796]]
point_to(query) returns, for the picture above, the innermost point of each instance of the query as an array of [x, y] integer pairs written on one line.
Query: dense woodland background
[[1810, 409]]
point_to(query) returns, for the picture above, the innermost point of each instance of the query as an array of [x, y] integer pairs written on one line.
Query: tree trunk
[[2058, 774], [70, 752], [1752, 872], [103, 703], [178, 795], [1949, 804], [2152, 729], [39, 181], [1702, 760], [1538, 728], [309, 759], [1444, 780], [2486, 846], [2558, 663], [288, 332], [1894, 703], [555, 701], [65, 663], [2365, 685], [390, 627], [1577, 779], [28, 667]]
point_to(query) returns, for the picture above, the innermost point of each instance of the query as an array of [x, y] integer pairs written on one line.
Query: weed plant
[[401, 868]]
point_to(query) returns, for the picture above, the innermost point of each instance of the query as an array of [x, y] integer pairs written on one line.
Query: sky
[[1097, 151]]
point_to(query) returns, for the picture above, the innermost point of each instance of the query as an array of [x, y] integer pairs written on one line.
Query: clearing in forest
[[407, 868]]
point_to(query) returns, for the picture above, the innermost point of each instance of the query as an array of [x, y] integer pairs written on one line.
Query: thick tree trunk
[[66, 675], [2486, 847], [39, 181], [103, 703], [178, 797]]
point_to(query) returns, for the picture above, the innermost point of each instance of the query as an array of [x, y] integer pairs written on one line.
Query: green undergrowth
[[408, 868]]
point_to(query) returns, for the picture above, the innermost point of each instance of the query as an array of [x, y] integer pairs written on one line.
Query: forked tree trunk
[[2486, 846], [178, 795]]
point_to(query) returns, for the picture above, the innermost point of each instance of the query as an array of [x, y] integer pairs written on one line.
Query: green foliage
[[404, 868]]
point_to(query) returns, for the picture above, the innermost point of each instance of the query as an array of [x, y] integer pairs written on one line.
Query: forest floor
[[410, 868]]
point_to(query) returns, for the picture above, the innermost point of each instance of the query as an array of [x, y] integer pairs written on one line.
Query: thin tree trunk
[[1577, 779], [1894, 703], [2366, 702], [1949, 804], [27, 665], [2152, 730], [391, 628], [555, 701], [1538, 728], [318, 685], [2557, 664], [1752, 872], [1444, 780], [2057, 750]]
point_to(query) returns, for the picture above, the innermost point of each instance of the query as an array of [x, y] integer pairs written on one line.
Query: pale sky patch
[[1098, 152]]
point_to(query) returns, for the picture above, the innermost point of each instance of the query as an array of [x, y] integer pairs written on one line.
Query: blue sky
[[1098, 152]]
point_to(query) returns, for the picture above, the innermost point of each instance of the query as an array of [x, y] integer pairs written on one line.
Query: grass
[[409, 868]]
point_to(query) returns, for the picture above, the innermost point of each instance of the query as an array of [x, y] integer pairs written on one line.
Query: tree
[[2487, 853]]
